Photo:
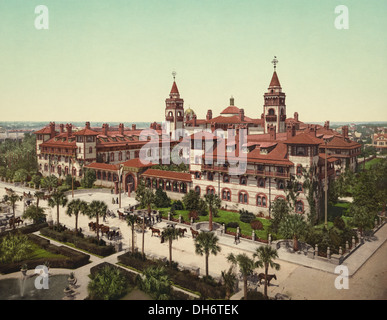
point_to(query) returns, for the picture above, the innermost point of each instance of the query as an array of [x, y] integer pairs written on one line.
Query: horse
[[13, 221], [181, 231], [104, 229], [121, 215], [194, 233], [92, 225], [261, 277], [154, 230]]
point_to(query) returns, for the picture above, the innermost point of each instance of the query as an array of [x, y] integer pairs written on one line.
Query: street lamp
[[119, 183], [326, 185]]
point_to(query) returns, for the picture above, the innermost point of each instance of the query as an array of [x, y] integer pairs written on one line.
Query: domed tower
[[174, 110], [274, 109]]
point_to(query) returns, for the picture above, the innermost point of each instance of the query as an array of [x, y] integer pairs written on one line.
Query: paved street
[[299, 277]]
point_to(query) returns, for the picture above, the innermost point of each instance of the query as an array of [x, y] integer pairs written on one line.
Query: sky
[[113, 60]]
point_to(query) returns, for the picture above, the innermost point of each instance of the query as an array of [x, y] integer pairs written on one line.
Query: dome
[[189, 111]]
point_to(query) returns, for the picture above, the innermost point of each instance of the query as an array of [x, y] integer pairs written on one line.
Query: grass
[[224, 217], [39, 253], [370, 163]]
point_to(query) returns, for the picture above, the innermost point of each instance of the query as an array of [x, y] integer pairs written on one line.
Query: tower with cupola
[[274, 109], [174, 111]]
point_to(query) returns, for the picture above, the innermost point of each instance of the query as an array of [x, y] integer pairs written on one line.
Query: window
[[226, 195], [299, 206], [210, 190], [112, 156], [299, 170], [243, 197], [210, 176], [197, 190], [300, 151], [281, 185], [197, 175], [299, 187], [261, 201], [120, 156], [226, 178], [243, 180], [271, 112], [90, 149], [261, 182]]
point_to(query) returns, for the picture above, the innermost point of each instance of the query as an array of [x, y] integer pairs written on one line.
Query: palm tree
[[246, 267], [229, 279], [362, 218], [34, 213], [293, 226], [266, 254], [131, 220], [170, 234], [108, 284], [50, 182], [57, 199], [38, 195], [95, 210], [11, 200], [75, 207], [156, 282], [213, 203], [207, 243]]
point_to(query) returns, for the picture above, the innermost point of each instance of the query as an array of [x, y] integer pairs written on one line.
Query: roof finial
[[174, 75], [275, 61]]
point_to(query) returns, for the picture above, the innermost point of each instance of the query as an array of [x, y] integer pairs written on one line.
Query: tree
[[89, 179], [213, 203], [280, 211], [131, 220], [14, 248], [156, 282], [95, 210], [362, 218], [229, 280], [38, 195], [21, 175], [170, 234], [293, 227], [108, 284], [11, 200], [207, 243], [57, 199], [75, 207], [36, 179], [246, 267], [266, 254], [191, 200], [34, 213], [50, 183], [161, 199]]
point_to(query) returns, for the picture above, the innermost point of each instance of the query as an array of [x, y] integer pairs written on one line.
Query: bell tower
[[174, 111], [274, 109]]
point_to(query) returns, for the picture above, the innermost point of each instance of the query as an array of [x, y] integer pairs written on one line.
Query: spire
[[174, 91], [274, 80]]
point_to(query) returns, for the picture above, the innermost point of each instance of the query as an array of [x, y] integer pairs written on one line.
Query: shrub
[[246, 216], [232, 225], [193, 214], [339, 223], [256, 225]]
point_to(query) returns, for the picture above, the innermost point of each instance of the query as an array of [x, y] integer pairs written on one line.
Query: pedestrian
[[236, 239]]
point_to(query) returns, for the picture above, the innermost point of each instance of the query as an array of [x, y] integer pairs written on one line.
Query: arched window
[[74, 172], [90, 149], [197, 190], [243, 180], [210, 176], [281, 185], [261, 200], [299, 206], [197, 175], [226, 178], [59, 170], [271, 112], [112, 156], [226, 194], [299, 187], [210, 190], [243, 197], [120, 156]]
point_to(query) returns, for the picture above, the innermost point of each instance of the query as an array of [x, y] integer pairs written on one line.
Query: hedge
[[79, 242], [185, 279], [75, 259]]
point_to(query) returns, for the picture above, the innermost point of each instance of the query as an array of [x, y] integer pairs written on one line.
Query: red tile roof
[[103, 166], [172, 175], [230, 110], [137, 163], [174, 88], [274, 81], [304, 138], [339, 142], [86, 132]]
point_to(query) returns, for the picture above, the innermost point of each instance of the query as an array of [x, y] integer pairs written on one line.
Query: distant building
[[379, 141]]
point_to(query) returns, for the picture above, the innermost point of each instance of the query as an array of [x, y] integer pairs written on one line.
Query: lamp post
[[119, 183]]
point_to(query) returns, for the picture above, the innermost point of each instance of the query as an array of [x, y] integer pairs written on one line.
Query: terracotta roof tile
[[173, 175]]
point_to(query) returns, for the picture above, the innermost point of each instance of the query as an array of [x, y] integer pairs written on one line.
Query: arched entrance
[[130, 182]]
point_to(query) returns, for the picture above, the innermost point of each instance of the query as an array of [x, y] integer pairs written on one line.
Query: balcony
[[274, 174], [271, 118], [282, 117]]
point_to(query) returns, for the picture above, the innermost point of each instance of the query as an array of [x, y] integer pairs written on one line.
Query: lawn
[[39, 253], [224, 217], [370, 163]]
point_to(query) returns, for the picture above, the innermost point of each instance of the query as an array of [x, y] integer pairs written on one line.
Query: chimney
[[69, 128], [52, 130], [194, 120], [209, 115], [345, 132], [296, 116], [121, 129], [289, 131], [61, 128], [231, 101], [272, 132], [133, 127], [87, 125], [105, 128], [326, 125], [312, 130], [242, 114]]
